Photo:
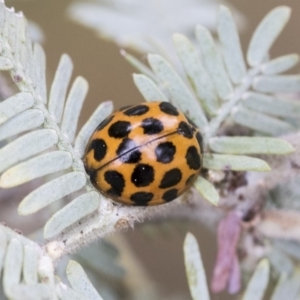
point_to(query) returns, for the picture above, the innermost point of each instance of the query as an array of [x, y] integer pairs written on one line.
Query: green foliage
[[194, 269], [28, 273], [219, 89], [215, 89]]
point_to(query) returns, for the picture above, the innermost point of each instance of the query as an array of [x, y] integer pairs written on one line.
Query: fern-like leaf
[[80, 282], [220, 89], [259, 281], [223, 85], [42, 144], [194, 269], [288, 287], [143, 27], [52, 124], [28, 273], [22, 159]]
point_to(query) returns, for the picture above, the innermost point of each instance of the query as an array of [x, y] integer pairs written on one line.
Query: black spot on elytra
[[127, 152], [142, 175], [165, 152], [119, 129], [185, 130], [170, 195], [137, 110], [116, 181], [190, 179], [93, 176], [141, 198], [193, 158], [132, 157], [100, 148], [200, 141], [105, 122], [152, 126], [125, 146], [168, 109], [171, 178]]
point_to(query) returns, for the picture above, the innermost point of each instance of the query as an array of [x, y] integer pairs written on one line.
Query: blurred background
[[157, 246]]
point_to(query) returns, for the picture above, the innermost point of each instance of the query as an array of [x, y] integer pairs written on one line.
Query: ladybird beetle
[[144, 154]]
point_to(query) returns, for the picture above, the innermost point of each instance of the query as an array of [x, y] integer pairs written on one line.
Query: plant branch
[[248, 199], [234, 99]]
